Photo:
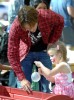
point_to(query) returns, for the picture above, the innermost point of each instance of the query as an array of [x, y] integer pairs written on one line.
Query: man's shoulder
[[16, 27], [48, 12], [16, 23], [45, 13], [48, 16]]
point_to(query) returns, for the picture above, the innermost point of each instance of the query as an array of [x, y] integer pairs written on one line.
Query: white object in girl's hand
[[35, 76]]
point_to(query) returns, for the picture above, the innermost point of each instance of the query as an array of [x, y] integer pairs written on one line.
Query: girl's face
[[29, 28], [54, 57], [41, 6]]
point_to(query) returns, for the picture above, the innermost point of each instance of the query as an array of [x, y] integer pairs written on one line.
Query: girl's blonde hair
[[60, 48], [28, 15]]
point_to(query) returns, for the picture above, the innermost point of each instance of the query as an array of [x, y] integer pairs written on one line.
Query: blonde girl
[[61, 74]]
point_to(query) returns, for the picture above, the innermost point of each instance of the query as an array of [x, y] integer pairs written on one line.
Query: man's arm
[[13, 52]]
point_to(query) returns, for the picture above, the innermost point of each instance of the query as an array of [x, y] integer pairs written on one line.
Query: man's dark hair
[[28, 15]]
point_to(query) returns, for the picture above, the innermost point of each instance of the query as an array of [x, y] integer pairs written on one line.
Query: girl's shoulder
[[62, 64], [64, 67]]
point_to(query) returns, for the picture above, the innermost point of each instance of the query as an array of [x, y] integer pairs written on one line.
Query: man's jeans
[[28, 63], [12, 79]]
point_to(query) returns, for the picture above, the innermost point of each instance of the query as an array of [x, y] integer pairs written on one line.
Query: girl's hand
[[38, 64], [40, 71], [26, 85]]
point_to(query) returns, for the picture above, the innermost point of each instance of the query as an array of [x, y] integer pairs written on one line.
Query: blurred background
[[4, 5], [3, 15], [4, 9]]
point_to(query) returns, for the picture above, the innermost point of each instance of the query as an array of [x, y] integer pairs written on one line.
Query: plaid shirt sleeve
[[13, 51]]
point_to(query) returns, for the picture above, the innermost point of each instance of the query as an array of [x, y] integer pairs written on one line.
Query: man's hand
[[26, 85]]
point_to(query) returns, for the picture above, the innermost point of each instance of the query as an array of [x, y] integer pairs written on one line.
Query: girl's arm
[[5, 67], [60, 68], [49, 78]]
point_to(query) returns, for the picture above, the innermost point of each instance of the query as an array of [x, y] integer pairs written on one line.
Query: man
[[24, 47]]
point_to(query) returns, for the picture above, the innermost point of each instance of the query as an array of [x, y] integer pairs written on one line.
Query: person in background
[[37, 1], [3, 72], [61, 74], [5, 67], [29, 35], [39, 4], [14, 7], [66, 9], [26, 2]]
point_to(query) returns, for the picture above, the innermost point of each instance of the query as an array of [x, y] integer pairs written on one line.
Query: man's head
[[28, 17]]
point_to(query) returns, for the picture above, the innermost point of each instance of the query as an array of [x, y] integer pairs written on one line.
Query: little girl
[[61, 74]]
